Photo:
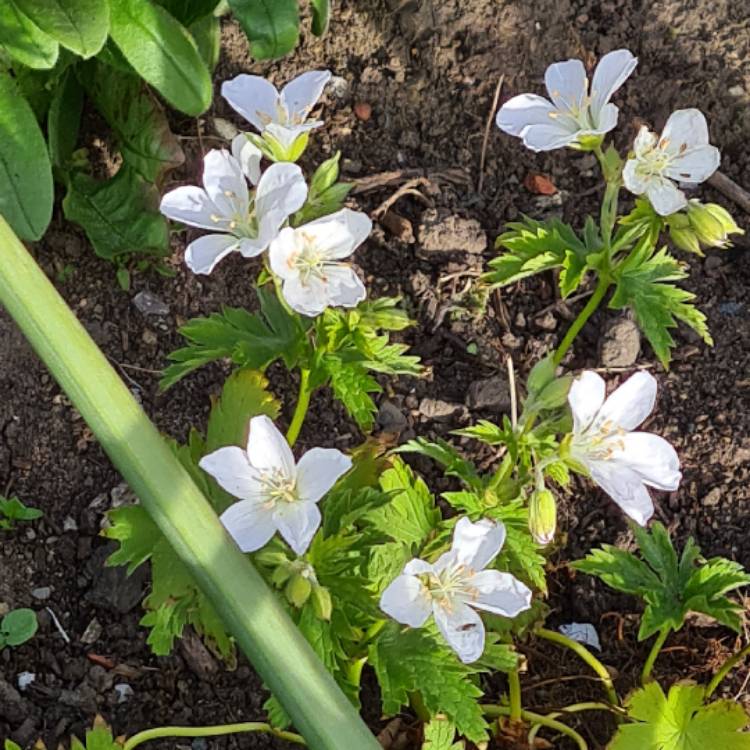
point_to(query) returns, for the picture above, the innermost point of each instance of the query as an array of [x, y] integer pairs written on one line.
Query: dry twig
[[727, 186], [487, 128]]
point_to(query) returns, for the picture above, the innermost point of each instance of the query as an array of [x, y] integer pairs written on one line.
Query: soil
[[428, 71]]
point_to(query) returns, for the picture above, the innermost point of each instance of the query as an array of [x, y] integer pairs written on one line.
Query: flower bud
[[298, 590], [682, 233], [321, 601], [543, 516], [711, 223]]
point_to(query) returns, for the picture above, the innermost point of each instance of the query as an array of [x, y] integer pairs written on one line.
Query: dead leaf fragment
[[539, 184]]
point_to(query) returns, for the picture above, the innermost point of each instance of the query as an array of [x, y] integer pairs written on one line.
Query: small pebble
[[124, 691], [363, 111], [25, 679], [42, 593]]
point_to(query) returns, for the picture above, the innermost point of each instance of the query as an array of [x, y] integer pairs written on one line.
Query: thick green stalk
[[514, 695], [248, 608], [726, 668], [655, 649], [215, 731], [300, 411], [587, 656]]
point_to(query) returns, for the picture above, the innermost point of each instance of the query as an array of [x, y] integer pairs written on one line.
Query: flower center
[[654, 161], [278, 487], [238, 223], [600, 441], [309, 260], [449, 584]]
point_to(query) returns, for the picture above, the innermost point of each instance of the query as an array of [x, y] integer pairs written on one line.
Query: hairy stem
[[214, 731], [300, 411], [726, 668], [514, 695], [591, 306], [655, 649], [513, 394], [550, 723], [580, 650], [572, 709]]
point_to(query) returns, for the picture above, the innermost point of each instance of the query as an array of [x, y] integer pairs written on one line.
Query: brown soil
[[429, 72]]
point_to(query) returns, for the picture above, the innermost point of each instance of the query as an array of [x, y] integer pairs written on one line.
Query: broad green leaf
[[79, 25], [321, 16], [12, 509], [118, 215], [17, 627], [26, 189], [64, 119], [188, 12], [445, 454], [206, 32], [642, 284], [681, 721], [439, 734], [412, 660], [352, 386], [272, 26], [10, 745], [23, 40], [163, 53], [137, 119]]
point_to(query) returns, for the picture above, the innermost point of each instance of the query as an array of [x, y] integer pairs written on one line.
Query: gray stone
[[434, 408], [621, 343], [449, 234], [225, 129], [390, 418], [713, 498], [13, 707], [149, 304], [42, 593], [489, 393], [112, 588]]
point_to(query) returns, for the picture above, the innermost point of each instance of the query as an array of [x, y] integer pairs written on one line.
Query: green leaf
[[12, 509], [189, 11], [17, 627], [444, 453], [352, 386], [64, 119], [681, 721], [23, 40], [439, 734], [26, 189], [10, 745], [411, 514], [118, 215], [321, 16], [342, 508], [642, 284], [670, 587], [137, 119], [163, 53], [207, 35], [272, 26], [534, 246], [251, 340], [79, 25], [414, 660]]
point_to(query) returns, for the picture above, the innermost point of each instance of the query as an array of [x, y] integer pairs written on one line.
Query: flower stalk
[[591, 306], [725, 669], [250, 610], [546, 721], [213, 731], [652, 654], [300, 410]]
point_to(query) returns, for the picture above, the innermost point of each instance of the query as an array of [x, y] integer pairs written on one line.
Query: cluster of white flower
[[578, 117]]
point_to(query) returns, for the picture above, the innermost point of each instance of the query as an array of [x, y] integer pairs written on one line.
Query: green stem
[[514, 695], [300, 411], [598, 295], [250, 611], [580, 650], [215, 731], [496, 711], [655, 649], [726, 668], [572, 709], [417, 703]]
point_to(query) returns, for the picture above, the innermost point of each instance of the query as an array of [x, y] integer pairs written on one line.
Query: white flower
[[275, 494], [306, 258], [621, 462], [282, 115], [682, 153], [573, 112], [246, 222], [456, 583]]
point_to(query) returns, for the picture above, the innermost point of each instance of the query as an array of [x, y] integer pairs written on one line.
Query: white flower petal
[[645, 141], [301, 94], [202, 255], [252, 247], [190, 205], [522, 111], [297, 523], [281, 254], [665, 197], [586, 396], [631, 403], [500, 593], [625, 487], [281, 191], [225, 183], [318, 470], [606, 120], [694, 165], [651, 457], [250, 525], [308, 299], [477, 544], [339, 234], [633, 179], [463, 629], [684, 129], [267, 448], [549, 137], [248, 155], [567, 85], [253, 97], [416, 567], [233, 472], [345, 288], [611, 72], [406, 601]]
